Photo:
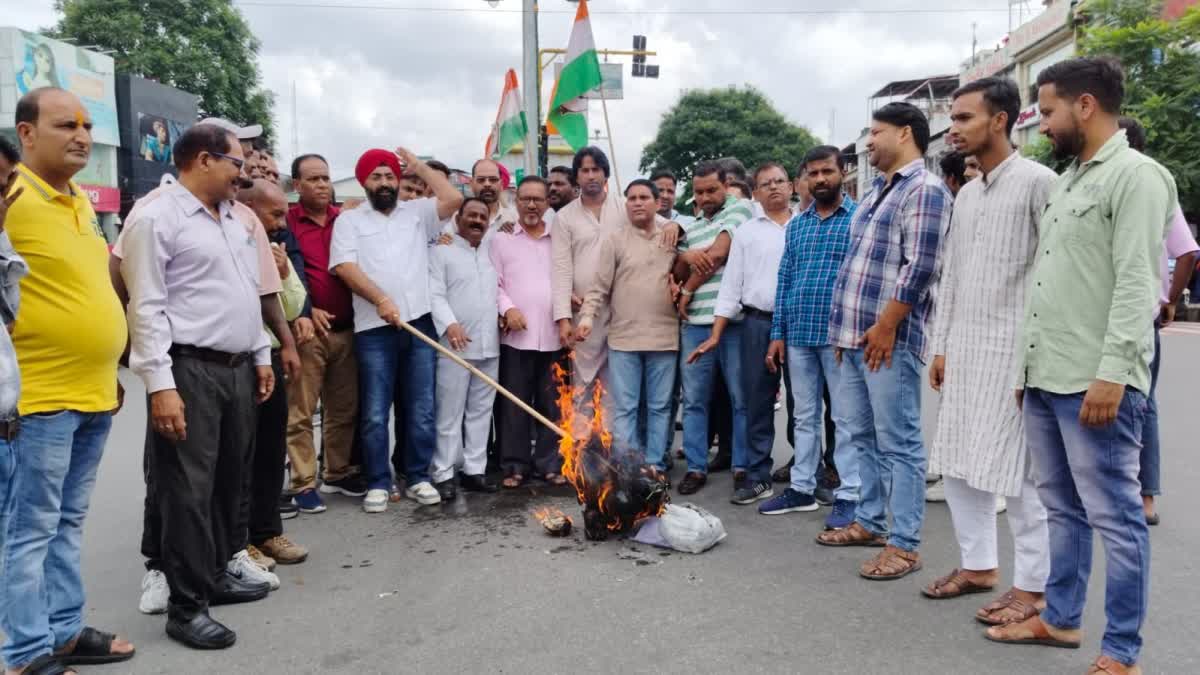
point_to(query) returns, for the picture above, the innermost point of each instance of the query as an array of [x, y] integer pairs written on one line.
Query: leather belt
[[210, 355], [10, 430], [756, 312]]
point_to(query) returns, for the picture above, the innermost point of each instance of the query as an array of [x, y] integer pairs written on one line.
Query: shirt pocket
[[1088, 224]]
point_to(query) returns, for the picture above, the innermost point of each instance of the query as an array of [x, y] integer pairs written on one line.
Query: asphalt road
[[476, 586]]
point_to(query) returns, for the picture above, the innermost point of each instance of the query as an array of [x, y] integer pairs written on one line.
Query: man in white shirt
[[380, 250], [465, 307]]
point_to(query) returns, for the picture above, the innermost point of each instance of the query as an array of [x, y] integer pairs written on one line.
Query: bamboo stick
[[486, 380]]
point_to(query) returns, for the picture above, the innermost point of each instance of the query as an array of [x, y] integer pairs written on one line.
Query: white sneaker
[[376, 501], [243, 567], [936, 492], [155, 593], [423, 493], [1001, 504]]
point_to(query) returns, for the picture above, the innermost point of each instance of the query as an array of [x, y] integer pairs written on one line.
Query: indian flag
[[510, 128], [580, 74]]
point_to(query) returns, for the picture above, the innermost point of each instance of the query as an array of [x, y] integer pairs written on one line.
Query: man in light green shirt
[[1086, 351]]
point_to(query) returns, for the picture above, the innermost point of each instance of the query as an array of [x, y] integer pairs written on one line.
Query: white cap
[[243, 133]]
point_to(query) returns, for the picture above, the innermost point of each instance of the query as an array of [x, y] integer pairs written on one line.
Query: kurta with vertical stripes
[[987, 259]]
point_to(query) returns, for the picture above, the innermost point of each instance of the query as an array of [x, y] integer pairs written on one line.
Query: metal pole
[[531, 79], [612, 152]]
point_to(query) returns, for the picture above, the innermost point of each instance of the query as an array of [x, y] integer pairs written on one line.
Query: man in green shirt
[[1086, 353]]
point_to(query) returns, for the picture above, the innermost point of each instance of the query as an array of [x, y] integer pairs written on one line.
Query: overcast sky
[[431, 79]]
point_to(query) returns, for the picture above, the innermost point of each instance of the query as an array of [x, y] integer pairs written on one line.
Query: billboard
[[152, 116], [39, 61]]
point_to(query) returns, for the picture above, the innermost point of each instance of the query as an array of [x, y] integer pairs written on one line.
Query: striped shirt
[[701, 234], [813, 251], [893, 254]]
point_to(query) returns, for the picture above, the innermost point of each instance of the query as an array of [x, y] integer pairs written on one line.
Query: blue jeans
[[41, 587], [1148, 475], [810, 370], [390, 359], [1087, 479], [759, 387], [697, 391], [892, 464], [637, 376]]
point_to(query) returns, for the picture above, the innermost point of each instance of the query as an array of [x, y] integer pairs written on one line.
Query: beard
[[827, 196], [383, 199], [1066, 145]]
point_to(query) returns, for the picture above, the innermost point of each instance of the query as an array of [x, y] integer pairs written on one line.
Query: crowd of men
[[242, 314]]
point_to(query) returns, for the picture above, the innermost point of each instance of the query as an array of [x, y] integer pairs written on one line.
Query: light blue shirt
[[12, 269]]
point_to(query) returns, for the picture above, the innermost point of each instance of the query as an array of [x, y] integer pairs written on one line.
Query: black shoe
[[351, 486], [720, 463], [446, 490], [748, 493], [478, 483], [692, 482], [201, 632], [287, 508], [824, 496], [230, 590]]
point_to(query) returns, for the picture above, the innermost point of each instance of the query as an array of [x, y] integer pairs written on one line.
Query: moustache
[[244, 183]]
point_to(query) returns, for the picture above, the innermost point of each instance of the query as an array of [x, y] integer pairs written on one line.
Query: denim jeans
[[811, 370], [1148, 474], [1087, 479], [637, 377], [892, 463], [697, 390], [759, 387], [41, 587], [387, 357]]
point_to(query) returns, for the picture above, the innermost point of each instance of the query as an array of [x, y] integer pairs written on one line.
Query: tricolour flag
[[580, 74], [510, 127]]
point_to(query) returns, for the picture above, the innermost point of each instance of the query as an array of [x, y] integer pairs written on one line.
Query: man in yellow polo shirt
[[68, 335]]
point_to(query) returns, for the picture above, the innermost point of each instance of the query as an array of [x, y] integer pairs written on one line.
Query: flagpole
[[612, 153]]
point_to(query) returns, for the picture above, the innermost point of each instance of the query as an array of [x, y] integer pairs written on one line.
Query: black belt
[[10, 430], [211, 355], [755, 312]]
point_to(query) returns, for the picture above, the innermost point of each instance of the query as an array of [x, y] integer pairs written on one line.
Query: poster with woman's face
[[156, 139], [38, 69], [42, 62]]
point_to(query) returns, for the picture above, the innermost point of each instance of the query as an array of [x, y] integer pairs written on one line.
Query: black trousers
[[720, 416], [197, 482], [264, 476], [527, 373], [760, 386]]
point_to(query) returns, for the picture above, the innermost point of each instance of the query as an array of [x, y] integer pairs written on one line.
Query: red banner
[[104, 199]]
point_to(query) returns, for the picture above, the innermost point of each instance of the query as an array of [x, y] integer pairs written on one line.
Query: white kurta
[[987, 257]]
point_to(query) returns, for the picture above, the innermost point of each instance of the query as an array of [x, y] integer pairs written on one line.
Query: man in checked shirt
[[881, 302]]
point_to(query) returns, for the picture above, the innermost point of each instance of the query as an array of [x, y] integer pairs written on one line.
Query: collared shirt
[[701, 234], [193, 280], [71, 330], [813, 251], [504, 214], [392, 250], [752, 268], [631, 279], [894, 240], [682, 219], [293, 298], [1179, 242], [285, 238], [464, 290], [523, 271], [12, 270], [1096, 274], [325, 290]]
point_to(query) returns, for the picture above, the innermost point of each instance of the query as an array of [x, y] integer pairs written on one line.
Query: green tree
[[729, 122], [1161, 59], [200, 46]]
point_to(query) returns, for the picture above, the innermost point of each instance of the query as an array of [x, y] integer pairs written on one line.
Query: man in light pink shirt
[[529, 345]]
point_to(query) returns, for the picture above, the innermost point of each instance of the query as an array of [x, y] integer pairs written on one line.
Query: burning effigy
[[615, 488]]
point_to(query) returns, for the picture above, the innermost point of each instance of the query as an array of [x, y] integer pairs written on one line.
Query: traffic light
[[640, 68]]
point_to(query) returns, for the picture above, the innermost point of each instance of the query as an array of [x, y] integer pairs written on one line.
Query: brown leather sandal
[[1031, 631], [1021, 610], [954, 585], [1109, 666], [890, 563], [855, 535]]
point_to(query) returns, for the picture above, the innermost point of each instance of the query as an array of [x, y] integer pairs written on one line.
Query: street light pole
[[531, 78]]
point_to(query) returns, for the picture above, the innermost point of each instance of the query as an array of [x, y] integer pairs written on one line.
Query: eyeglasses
[[766, 184], [239, 163]]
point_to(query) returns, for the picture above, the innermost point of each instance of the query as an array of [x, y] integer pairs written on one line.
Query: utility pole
[[531, 79]]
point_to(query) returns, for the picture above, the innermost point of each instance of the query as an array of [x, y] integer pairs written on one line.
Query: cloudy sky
[[427, 73]]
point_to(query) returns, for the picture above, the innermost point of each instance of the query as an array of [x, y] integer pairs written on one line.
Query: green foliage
[[200, 46], [1042, 152], [730, 122], [1162, 80]]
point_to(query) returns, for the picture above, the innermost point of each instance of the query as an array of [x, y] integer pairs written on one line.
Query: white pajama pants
[[464, 417], [974, 515]]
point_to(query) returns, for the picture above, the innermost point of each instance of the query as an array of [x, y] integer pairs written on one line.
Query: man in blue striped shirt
[[881, 301], [814, 248]]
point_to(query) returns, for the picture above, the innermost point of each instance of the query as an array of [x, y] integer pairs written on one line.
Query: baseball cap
[[243, 133]]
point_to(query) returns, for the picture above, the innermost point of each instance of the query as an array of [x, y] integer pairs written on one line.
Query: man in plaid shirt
[[881, 301]]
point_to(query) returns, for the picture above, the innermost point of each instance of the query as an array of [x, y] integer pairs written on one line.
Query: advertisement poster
[[42, 62], [157, 137]]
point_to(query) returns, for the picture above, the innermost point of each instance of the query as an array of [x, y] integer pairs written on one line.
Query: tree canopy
[[731, 122], [203, 47]]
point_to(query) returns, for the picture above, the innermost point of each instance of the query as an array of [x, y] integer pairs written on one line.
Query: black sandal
[[93, 647], [47, 664]]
